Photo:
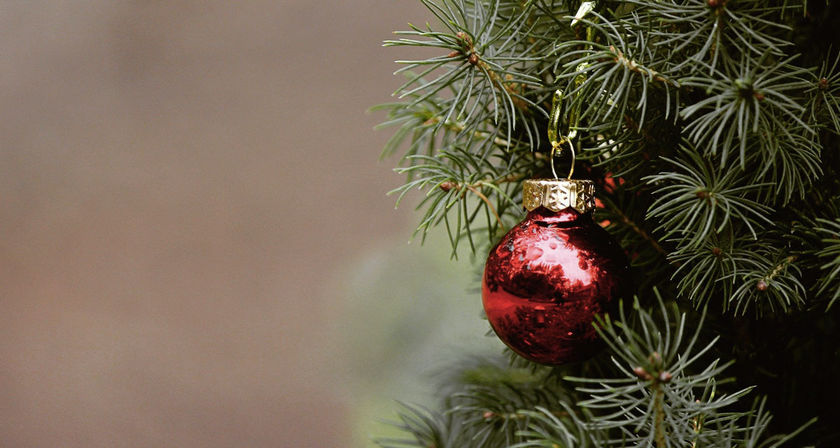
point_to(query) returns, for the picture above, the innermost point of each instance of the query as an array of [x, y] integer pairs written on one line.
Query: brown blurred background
[[188, 192]]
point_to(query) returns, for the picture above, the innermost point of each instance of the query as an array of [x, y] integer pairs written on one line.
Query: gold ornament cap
[[559, 194]]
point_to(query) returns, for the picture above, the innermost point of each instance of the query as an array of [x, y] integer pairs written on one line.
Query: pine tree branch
[[659, 415], [638, 230], [667, 92], [490, 206], [460, 127], [633, 66], [779, 268]]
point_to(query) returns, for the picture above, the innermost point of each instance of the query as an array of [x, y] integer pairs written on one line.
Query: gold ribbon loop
[[556, 136]]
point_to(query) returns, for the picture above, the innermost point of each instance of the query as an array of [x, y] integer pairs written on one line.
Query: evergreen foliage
[[712, 129]]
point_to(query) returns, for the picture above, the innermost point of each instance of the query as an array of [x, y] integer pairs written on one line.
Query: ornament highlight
[[550, 275]]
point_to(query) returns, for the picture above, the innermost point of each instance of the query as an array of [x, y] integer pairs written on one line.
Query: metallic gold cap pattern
[[559, 194]]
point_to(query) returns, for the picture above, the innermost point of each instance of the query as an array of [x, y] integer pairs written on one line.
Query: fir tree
[[712, 130]]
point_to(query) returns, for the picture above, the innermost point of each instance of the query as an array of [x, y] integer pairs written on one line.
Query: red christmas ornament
[[549, 277]]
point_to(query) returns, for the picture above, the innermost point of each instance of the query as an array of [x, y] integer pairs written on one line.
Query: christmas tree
[[710, 129]]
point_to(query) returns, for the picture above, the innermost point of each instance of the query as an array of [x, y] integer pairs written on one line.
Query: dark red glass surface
[[547, 279]]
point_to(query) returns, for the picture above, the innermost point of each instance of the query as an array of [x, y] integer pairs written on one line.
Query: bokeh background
[[196, 249]]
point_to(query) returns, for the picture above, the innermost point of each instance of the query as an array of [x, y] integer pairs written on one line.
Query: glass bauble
[[548, 278]]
